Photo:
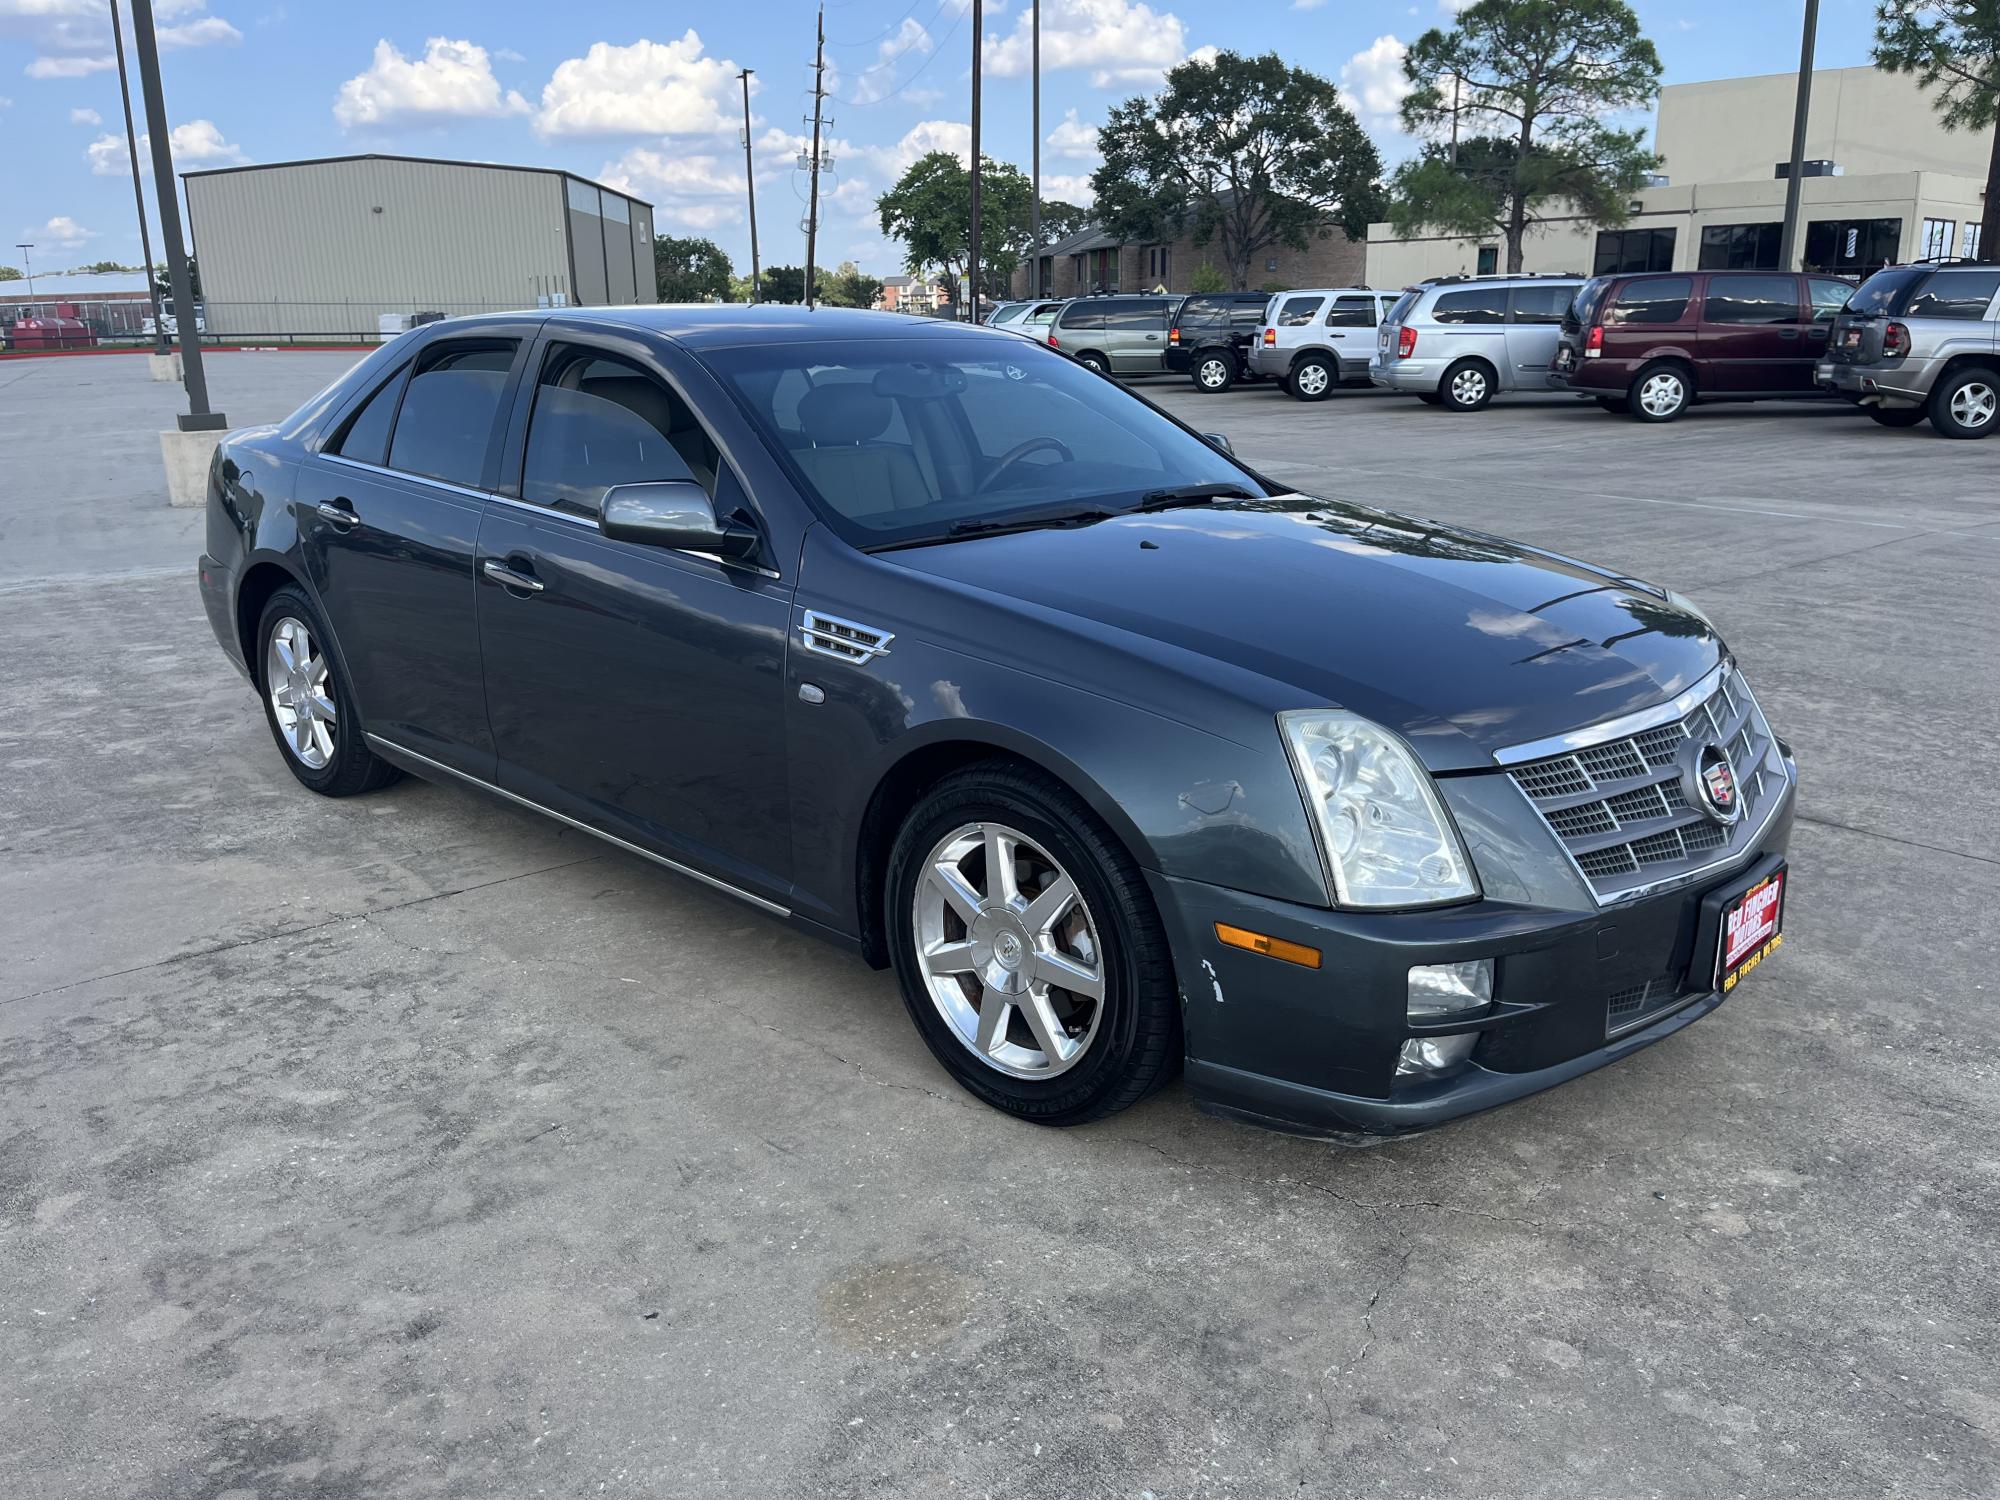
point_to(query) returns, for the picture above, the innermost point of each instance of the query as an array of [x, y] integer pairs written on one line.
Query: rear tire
[[1130, 1034], [1312, 379], [1467, 386], [1094, 361], [307, 702], [1213, 373], [1966, 403], [1661, 392], [1430, 398], [1896, 416], [1614, 403]]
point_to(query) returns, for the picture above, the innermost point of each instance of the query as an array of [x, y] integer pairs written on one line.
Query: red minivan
[[1655, 343]]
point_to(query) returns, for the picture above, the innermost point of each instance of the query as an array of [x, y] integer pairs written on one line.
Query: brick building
[[1093, 261]]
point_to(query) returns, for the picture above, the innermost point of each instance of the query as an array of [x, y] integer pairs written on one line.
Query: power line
[[870, 41], [950, 32]]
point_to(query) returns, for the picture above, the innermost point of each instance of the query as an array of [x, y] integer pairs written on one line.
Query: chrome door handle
[[499, 572], [339, 515]]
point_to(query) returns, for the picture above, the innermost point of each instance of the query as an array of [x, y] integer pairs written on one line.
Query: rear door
[[1350, 331], [1297, 322], [1136, 335], [1753, 335], [1534, 328], [388, 516], [1648, 316], [1477, 317]]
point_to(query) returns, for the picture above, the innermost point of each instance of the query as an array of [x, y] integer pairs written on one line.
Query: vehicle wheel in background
[[1430, 398], [1614, 403], [1660, 392], [1896, 416], [1028, 949], [1214, 373], [1312, 379], [1094, 361], [307, 702], [1467, 385], [1965, 403]]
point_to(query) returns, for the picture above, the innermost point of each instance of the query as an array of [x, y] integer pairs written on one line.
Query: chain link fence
[[121, 322]]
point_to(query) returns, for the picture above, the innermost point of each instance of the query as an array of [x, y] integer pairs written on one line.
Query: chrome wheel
[[1312, 380], [1009, 951], [295, 676], [1974, 404], [1662, 393], [1468, 387], [1214, 374]]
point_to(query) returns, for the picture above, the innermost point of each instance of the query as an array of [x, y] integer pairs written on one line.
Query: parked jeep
[[1921, 341]]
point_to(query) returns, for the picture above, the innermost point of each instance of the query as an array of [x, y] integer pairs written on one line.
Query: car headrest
[[638, 395], [844, 413]]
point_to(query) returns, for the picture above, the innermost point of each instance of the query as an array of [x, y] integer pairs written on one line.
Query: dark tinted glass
[[1955, 294], [1247, 314], [367, 435], [1886, 291], [1145, 316], [1542, 304], [1081, 315], [1589, 298], [1829, 297], [1351, 312], [1297, 312], [449, 411], [1741, 247], [1484, 304], [1633, 250], [1751, 299], [1851, 244], [599, 422], [1658, 299], [1403, 305]]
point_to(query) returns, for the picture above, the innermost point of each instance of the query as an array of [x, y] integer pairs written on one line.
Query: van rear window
[[1884, 294], [1652, 299]]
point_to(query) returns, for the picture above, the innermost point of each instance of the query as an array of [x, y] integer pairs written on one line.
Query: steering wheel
[[1020, 451]]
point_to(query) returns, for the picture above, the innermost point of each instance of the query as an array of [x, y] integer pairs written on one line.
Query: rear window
[[1351, 312], [1955, 294], [1751, 299], [1589, 297], [1081, 315], [446, 422], [1883, 294], [1134, 317], [1655, 299], [1485, 304], [1403, 305], [1297, 312]]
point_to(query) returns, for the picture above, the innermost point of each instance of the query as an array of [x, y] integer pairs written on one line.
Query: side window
[[1247, 315], [1541, 304], [1199, 312], [1077, 315], [1485, 304], [1955, 294], [1297, 312], [450, 409], [1829, 297], [366, 437], [600, 422], [1751, 299], [1351, 312], [1657, 299], [1135, 317]]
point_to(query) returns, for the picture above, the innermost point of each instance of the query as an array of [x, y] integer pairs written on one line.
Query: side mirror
[[671, 513], [1220, 440]]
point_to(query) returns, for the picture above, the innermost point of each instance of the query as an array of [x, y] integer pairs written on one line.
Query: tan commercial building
[[1883, 182]]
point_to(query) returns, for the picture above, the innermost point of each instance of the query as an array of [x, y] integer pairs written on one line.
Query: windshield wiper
[[1193, 494], [1027, 523]]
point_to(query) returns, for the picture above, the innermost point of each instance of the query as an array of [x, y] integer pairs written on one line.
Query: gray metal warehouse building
[[327, 247]]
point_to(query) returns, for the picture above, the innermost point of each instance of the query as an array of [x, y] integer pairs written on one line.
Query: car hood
[[1464, 643]]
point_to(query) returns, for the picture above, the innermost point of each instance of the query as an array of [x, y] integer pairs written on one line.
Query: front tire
[[1660, 393], [307, 701], [1312, 379], [1028, 949], [1214, 373], [1965, 403], [1467, 385]]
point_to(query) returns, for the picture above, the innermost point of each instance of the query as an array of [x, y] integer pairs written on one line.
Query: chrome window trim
[[610, 838], [366, 468], [1620, 728]]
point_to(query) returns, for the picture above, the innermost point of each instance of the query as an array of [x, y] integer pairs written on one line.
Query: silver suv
[[1458, 341], [1318, 337], [1921, 341]]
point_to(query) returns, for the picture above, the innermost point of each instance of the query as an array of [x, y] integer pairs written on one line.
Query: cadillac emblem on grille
[[1714, 785]]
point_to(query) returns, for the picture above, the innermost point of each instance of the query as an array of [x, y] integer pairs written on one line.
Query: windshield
[[1886, 292], [901, 440]]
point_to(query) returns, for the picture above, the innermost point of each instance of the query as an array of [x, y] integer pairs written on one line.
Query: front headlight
[[1381, 827]]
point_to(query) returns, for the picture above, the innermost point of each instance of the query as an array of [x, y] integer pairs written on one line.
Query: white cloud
[[910, 40], [687, 192], [69, 67], [648, 88], [1372, 80], [1074, 139], [206, 31], [1307, 4], [198, 141], [1120, 41], [85, 117], [1059, 187], [61, 233], [453, 80]]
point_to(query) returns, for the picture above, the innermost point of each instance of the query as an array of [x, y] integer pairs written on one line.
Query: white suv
[[1315, 339]]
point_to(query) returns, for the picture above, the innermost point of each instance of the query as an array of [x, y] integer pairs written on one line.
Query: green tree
[[690, 270], [1061, 220], [1532, 80], [930, 211], [98, 267], [784, 283], [1953, 47], [11, 273], [165, 283], [849, 286], [1207, 279], [1247, 152]]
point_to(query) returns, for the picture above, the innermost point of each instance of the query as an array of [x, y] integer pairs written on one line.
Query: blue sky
[[645, 95]]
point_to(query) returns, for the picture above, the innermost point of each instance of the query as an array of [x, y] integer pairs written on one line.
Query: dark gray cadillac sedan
[[928, 640]]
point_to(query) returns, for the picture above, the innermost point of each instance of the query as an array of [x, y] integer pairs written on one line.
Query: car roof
[[717, 325], [1328, 291]]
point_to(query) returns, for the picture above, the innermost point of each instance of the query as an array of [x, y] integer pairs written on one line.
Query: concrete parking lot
[[411, 1145]]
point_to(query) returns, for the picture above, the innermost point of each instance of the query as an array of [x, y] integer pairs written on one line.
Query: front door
[[634, 688], [388, 515], [1753, 334]]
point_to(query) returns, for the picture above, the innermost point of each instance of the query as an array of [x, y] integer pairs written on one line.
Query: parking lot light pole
[[160, 346], [28, 270], [197, 418], [1789, 237]]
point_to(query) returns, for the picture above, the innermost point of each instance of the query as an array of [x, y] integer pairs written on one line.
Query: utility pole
[[972, 258], [1035, 117], [1789, 239], [750, 179], [138, 193], [28, 267], [1454, 119], [812, 210], [197, 418]]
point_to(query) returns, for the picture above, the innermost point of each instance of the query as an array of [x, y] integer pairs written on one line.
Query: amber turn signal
[[1270, 947]]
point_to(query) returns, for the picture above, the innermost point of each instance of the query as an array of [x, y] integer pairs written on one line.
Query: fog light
[[1439, 991], [1428, 1056]]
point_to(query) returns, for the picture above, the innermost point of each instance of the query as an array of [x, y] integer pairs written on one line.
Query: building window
[[1937, 238], [1863, 245], [1621, 250], [1971, 243], [1741, 247], [1489, 259]]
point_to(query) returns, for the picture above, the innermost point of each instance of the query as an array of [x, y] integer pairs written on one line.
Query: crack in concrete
[[1890, 838]]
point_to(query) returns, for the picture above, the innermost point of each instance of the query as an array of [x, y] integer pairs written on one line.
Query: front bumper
[[1314, 1051], [1872, 384], [1408, 375]]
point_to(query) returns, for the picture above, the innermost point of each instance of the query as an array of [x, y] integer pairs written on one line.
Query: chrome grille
[[1618, 807]]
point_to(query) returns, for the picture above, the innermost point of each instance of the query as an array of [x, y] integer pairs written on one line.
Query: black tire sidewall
[[1332, 379], [1228, 373], [1094, 362], [1940, 404], [1640, 413], [352, 767], [1452, 403], [1103, 1082]]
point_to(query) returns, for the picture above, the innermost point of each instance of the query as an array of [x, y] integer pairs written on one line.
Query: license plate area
[[1750, 927]]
